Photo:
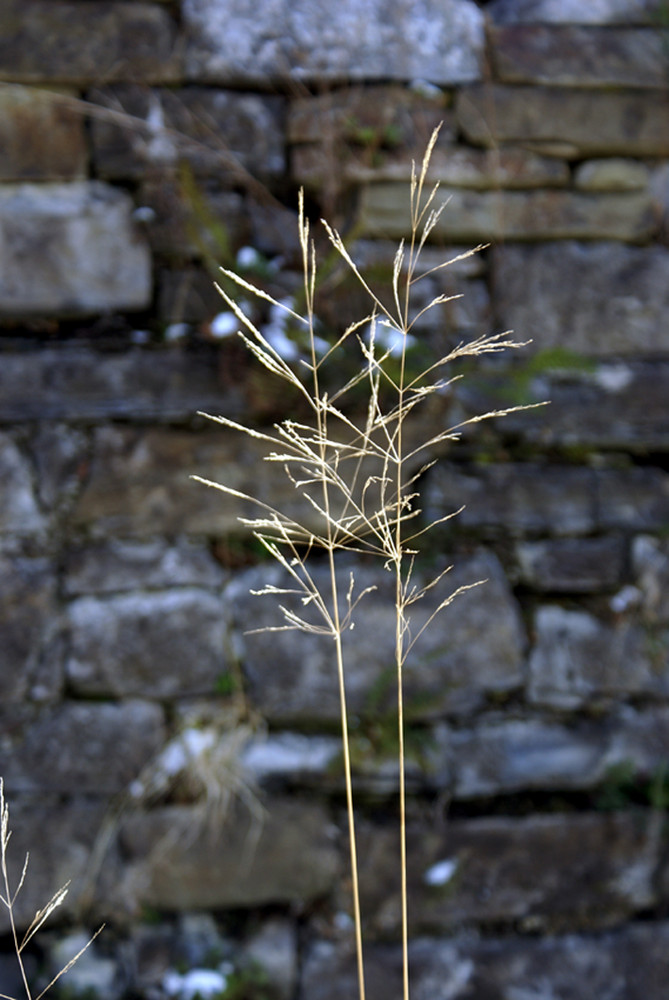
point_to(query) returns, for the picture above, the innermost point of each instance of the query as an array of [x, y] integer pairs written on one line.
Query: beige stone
[[613, 174], [41, 136]]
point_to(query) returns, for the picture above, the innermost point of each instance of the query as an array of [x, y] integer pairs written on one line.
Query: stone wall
[[186, 775]]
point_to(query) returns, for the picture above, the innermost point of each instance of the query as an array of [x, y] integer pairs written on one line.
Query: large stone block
[[572, 565], [480, 216], [79, 748], [216, 132], [576, 56], [455, 662], [66, 42], [178, 859], [635, 499], [545, 872], [19, 511], [139, 483], [306, 41], [617, 304], [41, 137], [74, 382], [70, 249], [626, 123], [158, 645], [577, 659], [31, 665]]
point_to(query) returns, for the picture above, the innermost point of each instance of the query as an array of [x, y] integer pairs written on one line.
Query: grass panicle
[[358, 477]]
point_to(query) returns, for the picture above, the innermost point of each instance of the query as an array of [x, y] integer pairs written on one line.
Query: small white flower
[[441, 872], [205, 982], [224, 325], [248, 257], [176, 331]]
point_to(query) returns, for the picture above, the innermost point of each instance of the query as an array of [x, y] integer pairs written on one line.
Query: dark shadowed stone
[[117, 565], [574, 11], [159, 645], [60, 452], [577, 56], [139, 483], [543, 872], [281, 851], [31, 665], [216, 132], [86, 42], [617, 303], [650, 565], [19, 511], [572, 565], [187, 295], [517, 498], [59, 838], [74, 382], [454, 664], [181, 223], [70, 249], [505, 756], [41, 138], [478, 216], [635, 499], [79, 748], [577, 659], [305, 41], [626, 123]]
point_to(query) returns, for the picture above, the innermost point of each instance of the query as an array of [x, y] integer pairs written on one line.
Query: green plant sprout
[[358, 476]]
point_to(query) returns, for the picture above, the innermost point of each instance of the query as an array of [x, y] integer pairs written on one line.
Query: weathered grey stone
[[576, 56], [19, 511], [626, 123], [183, 223], [31, 665], [505, 756], [457, 167], [274, 950], [214, 131], [59, 838], [79, 748], [309, 41], [659, 187], [60, 452], [454, 664], [69, 249], [618, 405], [543, 872], [74, 382], [572, 565], [139, 483], [630, 962], [92, 971], [513, 215], [119, 565], [159, 645], [41, 138], [86, 42], [612, 174], [516, 498], [282, 852], [636, 499], [577, 659], [290, 758], [574, 12], [617, 303], [650, 564]]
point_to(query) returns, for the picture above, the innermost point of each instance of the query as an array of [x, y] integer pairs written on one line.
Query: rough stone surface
[[41, 138], [86, 42], [513, 215], [43, 749], [159, 645], [636, 499], [68, 249], [75, 382], [572, 565], [516, 498], [650, 564], [117, 565], [214, 131], [574, 12], [453, 665], [60, 452], [579, 56], [31, 665], [139, 483], [308, 41], [623, 123], [544, 872], [577, 659], [612, 174], [630, 962], [281, 852], [19, 510], [617, 303]]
